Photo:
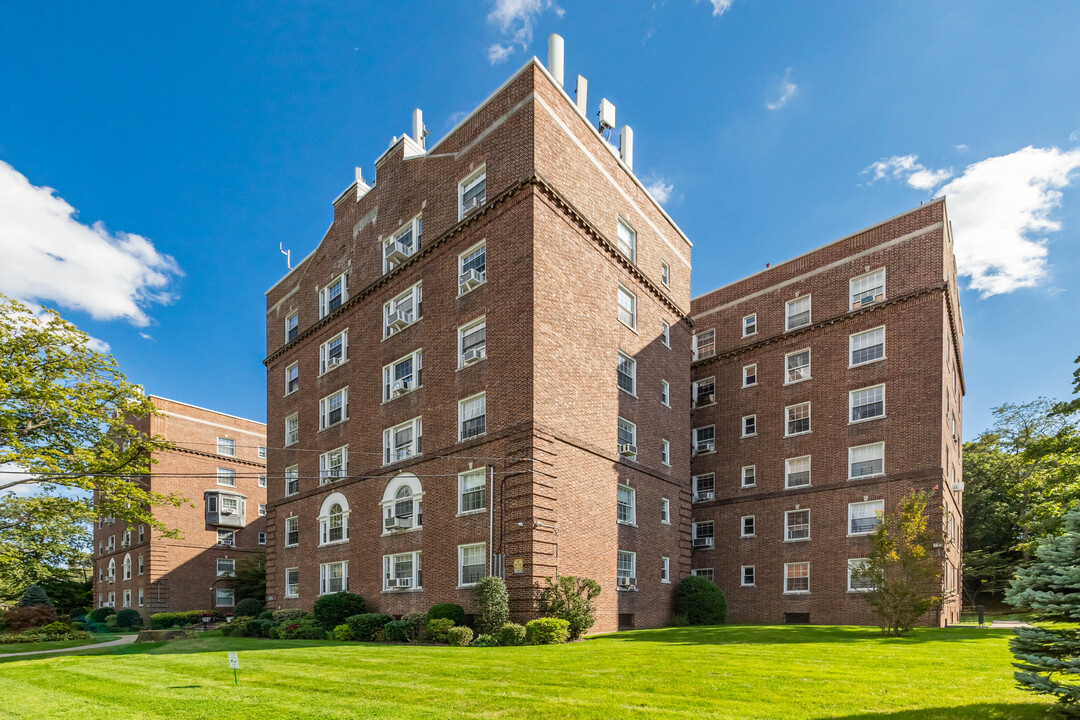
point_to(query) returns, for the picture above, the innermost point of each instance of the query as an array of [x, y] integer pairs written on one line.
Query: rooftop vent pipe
[[555, 57], [626, 146]]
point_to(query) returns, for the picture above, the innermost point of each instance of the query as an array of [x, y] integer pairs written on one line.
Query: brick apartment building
[[485, 368], [219, 464], [826, 388]]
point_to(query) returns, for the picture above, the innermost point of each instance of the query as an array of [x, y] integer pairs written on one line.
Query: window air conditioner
[[469, 280], [400, 387], [397, 523], [703, 542], [473, 355], [704, 495], [469, 205], [332, 361], [958, 486], [628, 450], [706, 446], [627, 582], [397, 252], [399, 319]]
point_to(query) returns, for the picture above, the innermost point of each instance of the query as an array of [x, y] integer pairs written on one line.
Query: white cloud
[[719, 7], [1074, 135], [50, 257], [910, 170], [659, 187], [961, 148], [516, 20], [498, 53], [787, 90]]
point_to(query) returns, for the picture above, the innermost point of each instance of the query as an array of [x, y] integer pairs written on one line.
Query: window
[[796, 525], [749, 576], [749, 375], [703, 534], [142, 564], [262, 452], [292, 480], [334, 352], [292, 378], [704, 439], [627, 308], [403, 375], [798, 313], [472, 192], [142, 532], [665, 452], [704, 392], [472, 342], [704, 344], [262, 538], [867, 346], [704, 487], [627, 505], [665, 333], [226, 477], [749, 325], [402, 572], [472, 417], [403, 244], [706, 573], [471, 487], [627, 373], [472, 268], [127, 598], [867, 289], [226, 567], [334, 409], [863, 517], [866, 461], [292, 531], [292, 582], [665, 274], [226, 538], [334, 520], [472, 564], [665, 393], [140, 597], [292, 327], [262, 481], [403, 310], [796, 577], [292, 429], [749, 425], [798, 366], [749, 526], [333, 465], [626, 570], [262, 509], [798, 419], [868, 403], [797, 472], [856, 581], [627, 439], [111, 575], [402, 442], [127, 567], [232, 506], [665, 511], [627, 240], [333, 295], [665, 569], [226, 446], [333, 577]]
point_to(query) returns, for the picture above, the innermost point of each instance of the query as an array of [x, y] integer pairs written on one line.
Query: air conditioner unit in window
[[108, 604], [399, 319], [628, 450], [706, 446], [958, 486], [397, 523], [702, 542], [332, 361], [704, 495], [469, 280], [467, 206], [473, 355], [400, 387], [628, 582], [397, 252]]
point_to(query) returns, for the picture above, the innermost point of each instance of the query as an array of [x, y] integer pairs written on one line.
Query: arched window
[[402, 504], [334, 519], [112, 570], [127, 567]]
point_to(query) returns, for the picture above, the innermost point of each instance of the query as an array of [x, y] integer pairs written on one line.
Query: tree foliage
[[901, 570], [571, 598], [250, 578], [1048, 657], [42, 541], [492, 604], [34, 596], [700, 601]]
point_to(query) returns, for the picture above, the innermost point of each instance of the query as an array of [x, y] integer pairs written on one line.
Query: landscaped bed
[[691, 672], [54, 644]]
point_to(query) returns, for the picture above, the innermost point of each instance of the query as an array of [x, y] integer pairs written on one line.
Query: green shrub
[[700, 600], [492, 604], [546, 631], [458, 636], [511, 634], [78, 625], [164, 621], [397, 631], [266, 615], [258, 627], [484, 641], [307, 628], [342, 632], [33, 596], [128, 618], [288, 615], [571, 598], [238, 627], [417, 625], [332, 610], [98, 615], [678, 619], [58, 629], [365, 625], [31, 637], [248, 607], [438, 628], [452, 611], [24, 618]]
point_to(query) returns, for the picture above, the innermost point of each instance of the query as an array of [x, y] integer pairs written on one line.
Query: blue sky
[[203, 135]]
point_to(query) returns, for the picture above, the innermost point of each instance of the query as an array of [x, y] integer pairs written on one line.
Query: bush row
[[45, 633]]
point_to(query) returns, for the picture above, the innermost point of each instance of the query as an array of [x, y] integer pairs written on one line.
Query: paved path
[[122, 640]]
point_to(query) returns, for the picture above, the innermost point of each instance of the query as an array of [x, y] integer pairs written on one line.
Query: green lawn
[[53, 644], [721, 672]]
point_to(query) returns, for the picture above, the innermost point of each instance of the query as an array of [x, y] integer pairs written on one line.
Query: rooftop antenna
[[607, 116], [287, 254]]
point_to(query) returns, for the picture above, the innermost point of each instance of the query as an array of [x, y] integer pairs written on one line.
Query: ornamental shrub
[[571, 598], [24, 618], [439, 627], [248, 607], [365, 625], [34, 596], [678, 620], [307, 628], [547, 631], [288, 615], [58, 629], [484, 641], [700, 600], [164, 621], [417, 625], [78, 625], [110, 623], [492, 604], [128, 618], [451, 611], [511, 634], [266, 615], [332, 610], [98, 615], [258, 627], [236, 628], [397, 631], [342, 632], [459, 636]]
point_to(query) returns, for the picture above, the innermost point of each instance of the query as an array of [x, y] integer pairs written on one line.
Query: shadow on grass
[[795, 634], [982, 711]]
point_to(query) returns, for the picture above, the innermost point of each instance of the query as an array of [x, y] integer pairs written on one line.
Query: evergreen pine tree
[[34, 595], [1048, 658]]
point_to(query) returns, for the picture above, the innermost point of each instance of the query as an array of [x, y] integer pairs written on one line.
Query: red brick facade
[[177, 574]]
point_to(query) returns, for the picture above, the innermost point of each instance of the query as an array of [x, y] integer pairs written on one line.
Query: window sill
[[332, 368], [798, 540], [631, 393], [796, 592], [854, 535], [398, 332], [472, 437], [469, 586], [461, 367], [749, 385], [868, 362], [796, 382], [753, 585], [629, 327], [790, 435], [332, 543], [665, 582], [864, 477], [698, 406], [866, 420], [665, 522], [396, 397], [386, 591], [463, 294], [328, 427], [797, 487], [858, 592], [622, 589], [748, 487], [748, 537], [466, 513], [402, 532], [702, 454], [746, 335], [628, 523], [798, 327], [749, 435], [289, 547]]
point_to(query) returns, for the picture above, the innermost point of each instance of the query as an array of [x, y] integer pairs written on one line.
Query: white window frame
[[665, 393], [324, 294], [262, 452], [262, 509], [324, 352], [325, 516], [482, 245], [624, 291], [851, 404], [292, 588], [753, 526], [627, 509], [788, 419], [665, 452], [850, 567], [863, 277], [753, 419], [461, 563], [230, 535], [416, 379], [665, 511], [141, 597], [749, 321], [333, 465], [325, 408], [225, 567], [851, 461], [851, 346], [701, 572], [788, 472], [698, 491], [788, 526], [626, 239], [695, 388], [467, 328], [704, 350], [390, 452], [665, 333], [262, 538], [292, 320], [665, 273], [742, 576], [752, 474], [226, 477], [463, 479], [787, 577], [788, 327], [293, 521], [665, 569], [289, 370], [630, 364], [262, 480], [787, 367], [390, 569], [324, 577], [748, 372], [878, 506], [472, 180], [141, 564], [624, 424], [415, 294], [698, 442], [631, 558], [462, 404], [292, 435], [694, 527], [292, 472], [226, 446], [414, 228]]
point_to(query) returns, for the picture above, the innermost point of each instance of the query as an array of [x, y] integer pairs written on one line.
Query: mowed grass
[[733, 672], [53, 644]]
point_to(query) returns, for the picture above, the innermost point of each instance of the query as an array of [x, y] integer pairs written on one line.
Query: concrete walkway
[[123, 640]]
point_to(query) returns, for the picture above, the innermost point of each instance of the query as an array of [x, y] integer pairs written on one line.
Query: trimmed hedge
[[416, 623], [332, 610], [439, 628], [546, 631], [365, 625], [511, 634], [128, 618], [342, 632], [700, 600], [248, 607], [459, 636], [163, 621], [484, 641], [287, 615], [492, 604], [397, 631], [98, 615], [450, 611]]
